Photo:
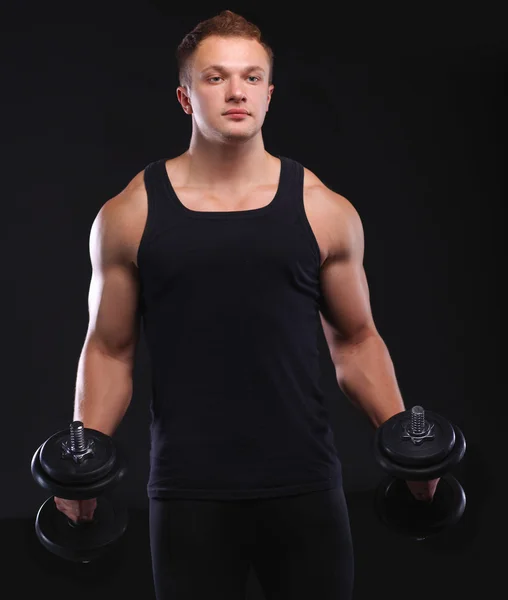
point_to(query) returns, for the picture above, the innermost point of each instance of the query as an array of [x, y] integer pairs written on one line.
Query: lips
[[236, 111]]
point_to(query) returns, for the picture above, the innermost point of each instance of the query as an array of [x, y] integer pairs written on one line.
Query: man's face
[[228, 73]]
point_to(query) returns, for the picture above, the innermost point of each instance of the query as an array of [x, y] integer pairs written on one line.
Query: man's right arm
[[105, 369]]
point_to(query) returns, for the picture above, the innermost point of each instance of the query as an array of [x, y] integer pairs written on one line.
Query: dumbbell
[[418, 445], [77, 464]]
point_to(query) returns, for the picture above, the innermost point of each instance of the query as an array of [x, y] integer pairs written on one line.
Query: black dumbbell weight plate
[[79, 491], [81, 542], [403, 451], [66, 470], [396, 506], [424, 471]]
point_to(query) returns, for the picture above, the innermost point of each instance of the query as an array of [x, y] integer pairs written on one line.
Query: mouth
[[236, 115], [236, 111]]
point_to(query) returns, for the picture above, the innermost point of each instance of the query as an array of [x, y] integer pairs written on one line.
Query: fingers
[[423, 490], [87, 509], [69, 508], [77, 510]]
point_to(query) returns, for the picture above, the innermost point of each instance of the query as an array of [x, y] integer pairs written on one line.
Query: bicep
[[114, 288], [345, 309], [345, 303]]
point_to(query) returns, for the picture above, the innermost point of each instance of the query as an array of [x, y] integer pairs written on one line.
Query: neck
[[226, 166]]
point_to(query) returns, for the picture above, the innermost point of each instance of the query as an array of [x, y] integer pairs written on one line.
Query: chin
[[240, 136]]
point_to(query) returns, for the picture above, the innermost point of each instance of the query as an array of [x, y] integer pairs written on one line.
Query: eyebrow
[[224, 70]]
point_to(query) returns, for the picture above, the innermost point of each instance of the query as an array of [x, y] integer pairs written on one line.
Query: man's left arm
[[365, 371], [364, 368]]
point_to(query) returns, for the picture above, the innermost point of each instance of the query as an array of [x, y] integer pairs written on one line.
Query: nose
[[235, 90]]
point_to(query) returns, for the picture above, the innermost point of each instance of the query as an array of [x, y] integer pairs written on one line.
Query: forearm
[[366, 375], [103, 390]]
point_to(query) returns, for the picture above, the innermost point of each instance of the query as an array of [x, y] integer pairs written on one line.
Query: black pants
[[300, 547]]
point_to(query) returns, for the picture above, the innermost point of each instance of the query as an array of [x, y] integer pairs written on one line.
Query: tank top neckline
[[232, 214]]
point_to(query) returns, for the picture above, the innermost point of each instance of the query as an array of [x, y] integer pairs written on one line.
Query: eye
[[254, 76], [214, 77]]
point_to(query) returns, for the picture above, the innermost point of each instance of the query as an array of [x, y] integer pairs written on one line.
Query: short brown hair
[[225, 24]]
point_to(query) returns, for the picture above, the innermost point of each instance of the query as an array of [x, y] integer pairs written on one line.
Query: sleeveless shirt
[[230, 309]]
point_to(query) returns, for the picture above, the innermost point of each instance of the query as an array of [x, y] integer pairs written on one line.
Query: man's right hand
[[77, 510]]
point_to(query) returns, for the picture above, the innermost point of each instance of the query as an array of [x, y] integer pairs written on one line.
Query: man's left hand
[[423, 490]]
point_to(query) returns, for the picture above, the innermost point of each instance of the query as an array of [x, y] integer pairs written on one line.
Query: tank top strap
[[291, 187]]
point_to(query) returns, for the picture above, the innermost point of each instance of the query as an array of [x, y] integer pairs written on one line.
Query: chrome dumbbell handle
[[77, 448]]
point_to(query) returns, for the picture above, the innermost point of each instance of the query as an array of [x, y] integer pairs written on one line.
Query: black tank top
[[230, 308]]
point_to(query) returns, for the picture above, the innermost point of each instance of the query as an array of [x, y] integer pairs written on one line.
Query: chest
[[197, 200], [315, 212]]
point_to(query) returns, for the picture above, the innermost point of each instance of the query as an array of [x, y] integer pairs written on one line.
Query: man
[[233, 257]]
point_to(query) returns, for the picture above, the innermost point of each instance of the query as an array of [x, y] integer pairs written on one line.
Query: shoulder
[[124, 215], [119, 218], [319, 192], [340, 218], [127, 200]]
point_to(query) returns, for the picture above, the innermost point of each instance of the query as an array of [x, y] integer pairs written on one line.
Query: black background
[[400, 109]]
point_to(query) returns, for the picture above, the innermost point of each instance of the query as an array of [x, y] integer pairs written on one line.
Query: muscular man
[[233, 257]]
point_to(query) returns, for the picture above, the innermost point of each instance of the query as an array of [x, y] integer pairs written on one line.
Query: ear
[[270, 92], [183, 97]]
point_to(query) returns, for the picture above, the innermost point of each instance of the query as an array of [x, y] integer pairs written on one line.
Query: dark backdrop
[[401, 110]]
